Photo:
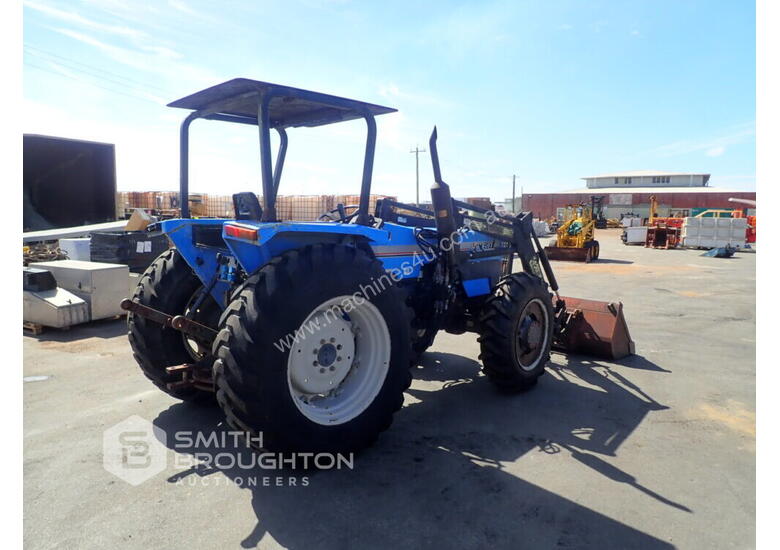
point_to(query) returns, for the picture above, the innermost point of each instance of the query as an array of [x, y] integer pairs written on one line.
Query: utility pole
[[514, 208], [417, 152]]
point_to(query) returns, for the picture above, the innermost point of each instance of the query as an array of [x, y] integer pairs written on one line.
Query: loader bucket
[[594, 328], [569, 254]]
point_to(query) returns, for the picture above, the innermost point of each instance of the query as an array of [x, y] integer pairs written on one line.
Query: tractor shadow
[[438, 476]]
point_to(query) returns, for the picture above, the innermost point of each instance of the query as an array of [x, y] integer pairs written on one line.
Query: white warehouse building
[[646, 178]]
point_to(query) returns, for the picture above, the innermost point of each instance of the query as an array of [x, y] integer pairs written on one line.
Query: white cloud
[[713, 146], [151, 58], [117, 53], [72, 17], [182, 6], [162, 51], [393, 93]]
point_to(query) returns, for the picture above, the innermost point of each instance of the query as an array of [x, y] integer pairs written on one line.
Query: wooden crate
[[219, 206], [308, 207], [283, 207]]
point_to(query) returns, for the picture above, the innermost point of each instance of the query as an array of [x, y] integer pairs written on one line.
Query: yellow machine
[[653, 210], [716, 213], [574, 238]]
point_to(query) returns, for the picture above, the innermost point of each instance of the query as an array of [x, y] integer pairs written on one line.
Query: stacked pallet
[[144, 199], [167, 200], [714, 232], [348, 200], [121, 204], [481, 202], [309, 207], [219, 206], [197, 203], [283, 207], [288, 207]]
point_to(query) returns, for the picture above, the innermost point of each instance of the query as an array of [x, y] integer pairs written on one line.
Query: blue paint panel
[[477, 287], [202, 259], [394, 245]]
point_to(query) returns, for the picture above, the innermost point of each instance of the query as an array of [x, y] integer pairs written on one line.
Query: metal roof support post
[[368, 168], [184, 164], [263, 125], [280, 154]]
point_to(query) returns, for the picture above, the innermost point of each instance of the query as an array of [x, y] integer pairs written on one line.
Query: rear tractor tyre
[[516, 332], [298, 367], [169, 285]]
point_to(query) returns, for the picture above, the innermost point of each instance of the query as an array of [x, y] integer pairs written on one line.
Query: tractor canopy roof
[[287, 107]]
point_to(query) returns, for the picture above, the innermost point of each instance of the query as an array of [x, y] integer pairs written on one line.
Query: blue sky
[[550, 91]]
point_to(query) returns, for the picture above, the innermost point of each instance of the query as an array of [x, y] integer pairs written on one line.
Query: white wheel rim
[[340, 360], [538, 333]]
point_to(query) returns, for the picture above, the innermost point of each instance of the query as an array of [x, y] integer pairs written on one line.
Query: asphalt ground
[[653, 451]]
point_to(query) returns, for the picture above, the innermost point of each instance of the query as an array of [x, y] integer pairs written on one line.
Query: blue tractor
[[305, 332]]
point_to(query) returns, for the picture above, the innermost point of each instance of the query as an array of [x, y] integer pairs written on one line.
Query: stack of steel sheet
[[714, 232]]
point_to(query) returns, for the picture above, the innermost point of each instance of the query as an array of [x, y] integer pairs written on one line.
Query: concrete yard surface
[[653, 451]]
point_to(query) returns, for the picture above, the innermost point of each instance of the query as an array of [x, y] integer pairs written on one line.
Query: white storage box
[[714, 232], [631, 222], [635, 235], [541, 228], [102, 286], [76, 249], [54, 308]]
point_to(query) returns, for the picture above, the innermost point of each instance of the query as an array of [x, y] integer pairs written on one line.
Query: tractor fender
[[274, 239]]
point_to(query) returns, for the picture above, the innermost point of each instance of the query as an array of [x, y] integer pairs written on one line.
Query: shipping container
[[67, 182]]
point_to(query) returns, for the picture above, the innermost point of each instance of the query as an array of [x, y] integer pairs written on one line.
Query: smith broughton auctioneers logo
[[135, 450]]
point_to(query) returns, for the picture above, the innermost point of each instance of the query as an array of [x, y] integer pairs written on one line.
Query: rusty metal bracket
[[193, 328], [179, 322], [193, 375], [146, 312]]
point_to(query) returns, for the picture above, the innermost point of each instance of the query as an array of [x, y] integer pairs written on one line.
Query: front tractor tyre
[[516, 332], [593, 251], [313, 353], [169, 285]]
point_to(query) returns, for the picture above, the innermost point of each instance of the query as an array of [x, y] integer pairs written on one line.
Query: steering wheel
[[339, 214]]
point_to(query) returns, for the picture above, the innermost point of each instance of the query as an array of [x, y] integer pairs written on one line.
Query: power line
[[96, 71], [45, 69], [102, 79]]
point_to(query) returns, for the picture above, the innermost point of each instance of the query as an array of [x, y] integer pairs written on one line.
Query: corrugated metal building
[[630, 192]]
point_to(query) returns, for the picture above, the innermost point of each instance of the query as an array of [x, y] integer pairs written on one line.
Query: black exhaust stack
[[443, 210]]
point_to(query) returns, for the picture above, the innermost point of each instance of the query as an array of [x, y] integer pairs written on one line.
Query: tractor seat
[[247, 207]]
